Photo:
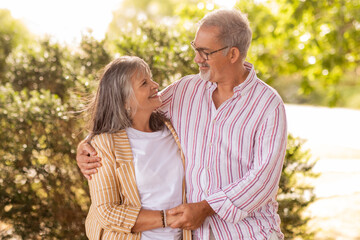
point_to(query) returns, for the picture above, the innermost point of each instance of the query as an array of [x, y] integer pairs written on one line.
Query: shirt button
[[210, 144]]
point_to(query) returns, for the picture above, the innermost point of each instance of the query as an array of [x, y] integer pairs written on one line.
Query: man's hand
[[86, 159], [191, 215]]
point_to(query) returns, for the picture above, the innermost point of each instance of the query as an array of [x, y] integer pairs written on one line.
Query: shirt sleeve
[[167, 98], [235, 201], [111, 213]]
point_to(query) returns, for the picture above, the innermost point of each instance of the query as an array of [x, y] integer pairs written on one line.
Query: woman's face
[[146, 93]]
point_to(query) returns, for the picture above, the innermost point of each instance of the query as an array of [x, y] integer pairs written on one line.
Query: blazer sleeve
[[110, 212]]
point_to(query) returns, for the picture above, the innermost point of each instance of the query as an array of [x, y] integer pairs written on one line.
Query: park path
[[333, 137]]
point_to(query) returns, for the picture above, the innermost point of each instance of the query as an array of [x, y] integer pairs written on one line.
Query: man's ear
[[234, 54]]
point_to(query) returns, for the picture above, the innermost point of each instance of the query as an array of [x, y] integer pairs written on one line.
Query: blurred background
[[51, 53]]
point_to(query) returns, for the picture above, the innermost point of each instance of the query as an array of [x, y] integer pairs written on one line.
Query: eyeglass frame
[[201, 51]]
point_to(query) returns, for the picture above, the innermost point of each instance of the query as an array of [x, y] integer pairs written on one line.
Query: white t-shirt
[[159, 175]]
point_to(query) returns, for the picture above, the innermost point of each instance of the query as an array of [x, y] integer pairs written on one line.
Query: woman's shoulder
[[106, 140]]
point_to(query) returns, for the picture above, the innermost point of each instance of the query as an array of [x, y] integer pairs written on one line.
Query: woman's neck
[[141, 122]]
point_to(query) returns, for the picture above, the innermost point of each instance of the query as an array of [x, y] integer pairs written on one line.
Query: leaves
[[309, 45], [39, 178]]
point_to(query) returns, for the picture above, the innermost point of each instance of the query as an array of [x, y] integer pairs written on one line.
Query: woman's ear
[[234, 54]]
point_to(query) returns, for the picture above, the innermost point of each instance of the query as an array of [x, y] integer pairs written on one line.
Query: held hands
[[87, 160], [189, 216]]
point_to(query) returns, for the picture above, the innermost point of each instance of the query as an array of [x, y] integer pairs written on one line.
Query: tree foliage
[[12, 32], [167, 52], [42, 193], [309, 50], [295, 192], [43, 66]]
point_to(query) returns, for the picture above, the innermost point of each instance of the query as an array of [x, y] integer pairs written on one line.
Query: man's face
[[211, 67]]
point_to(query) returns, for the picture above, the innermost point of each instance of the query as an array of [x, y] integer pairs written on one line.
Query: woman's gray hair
[[234, 28], [109, 109]]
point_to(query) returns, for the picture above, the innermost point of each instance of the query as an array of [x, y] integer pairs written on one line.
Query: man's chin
[[205, 75]]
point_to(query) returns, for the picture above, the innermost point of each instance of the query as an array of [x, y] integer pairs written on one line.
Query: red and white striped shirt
[[234, 154]]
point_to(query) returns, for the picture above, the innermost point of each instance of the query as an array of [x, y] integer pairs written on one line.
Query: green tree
[[40, 66], [295, 194], [166, 51], [309, 50], [138, 11], [12, 33], [43, 195]]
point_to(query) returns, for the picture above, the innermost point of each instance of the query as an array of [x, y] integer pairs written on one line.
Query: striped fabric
[[233, 154], [114, 195]]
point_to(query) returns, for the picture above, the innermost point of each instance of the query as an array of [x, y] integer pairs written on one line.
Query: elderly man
[[232, 128]]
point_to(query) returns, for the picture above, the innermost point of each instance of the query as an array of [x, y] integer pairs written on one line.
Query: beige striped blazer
[[115, 201]]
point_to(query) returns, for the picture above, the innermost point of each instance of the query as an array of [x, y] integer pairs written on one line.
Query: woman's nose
[[155, 84]]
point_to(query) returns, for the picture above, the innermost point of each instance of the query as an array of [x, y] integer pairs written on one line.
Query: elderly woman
[[142, 173]]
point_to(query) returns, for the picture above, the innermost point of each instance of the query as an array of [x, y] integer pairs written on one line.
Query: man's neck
[[225, 89]]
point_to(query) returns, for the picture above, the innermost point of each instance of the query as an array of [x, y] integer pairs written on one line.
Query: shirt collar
[[242, 87], [249, 81]]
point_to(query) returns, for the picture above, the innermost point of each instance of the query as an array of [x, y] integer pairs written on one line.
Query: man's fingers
[[87, 148], [89, 172], [176, 224], [82, 159], [176, 210], [88, 177], [86, 159], [89, 163], [183, 225]]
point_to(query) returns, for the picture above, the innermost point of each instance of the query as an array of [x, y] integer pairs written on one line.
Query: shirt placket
[[205, 175], [210, 143]]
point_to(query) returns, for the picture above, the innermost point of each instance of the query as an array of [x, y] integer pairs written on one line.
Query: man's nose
[[198, 58]]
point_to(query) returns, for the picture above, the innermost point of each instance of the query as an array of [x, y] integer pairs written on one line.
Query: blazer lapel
[[172, 130], [125, 168]]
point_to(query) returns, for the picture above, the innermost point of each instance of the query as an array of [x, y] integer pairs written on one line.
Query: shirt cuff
[[130, 218], [223, 207], [124, 224]]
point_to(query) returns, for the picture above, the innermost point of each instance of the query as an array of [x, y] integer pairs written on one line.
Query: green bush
[[42, 192], [295, 193]]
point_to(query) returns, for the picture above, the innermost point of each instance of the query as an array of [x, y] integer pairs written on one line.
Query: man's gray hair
[[234, 28]]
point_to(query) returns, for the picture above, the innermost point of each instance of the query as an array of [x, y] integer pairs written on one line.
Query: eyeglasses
[[203, 54]]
